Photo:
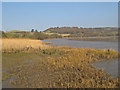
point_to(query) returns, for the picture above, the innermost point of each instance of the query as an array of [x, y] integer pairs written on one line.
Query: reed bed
[[16, 45]]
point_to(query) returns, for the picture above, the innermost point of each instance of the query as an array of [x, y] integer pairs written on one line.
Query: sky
[[43, 15], [60, 0]]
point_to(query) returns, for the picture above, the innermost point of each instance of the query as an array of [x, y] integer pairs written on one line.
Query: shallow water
[[83, 44], [6, 83], [110, 66]]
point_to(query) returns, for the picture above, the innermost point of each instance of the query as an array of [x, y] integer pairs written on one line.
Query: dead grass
[[73, 69], [58, 34], [11, 45]]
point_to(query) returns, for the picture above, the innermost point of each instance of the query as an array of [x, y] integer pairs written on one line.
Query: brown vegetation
[[17, 45], [58, 67]]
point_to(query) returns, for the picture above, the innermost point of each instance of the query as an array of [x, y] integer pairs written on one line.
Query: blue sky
[[42, 15]]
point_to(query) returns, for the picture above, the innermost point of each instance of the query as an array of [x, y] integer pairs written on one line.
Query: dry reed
[[10, 45]]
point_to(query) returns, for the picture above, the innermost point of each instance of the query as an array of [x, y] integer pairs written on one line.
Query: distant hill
[[76, 32], [29, 34], [16, 31]]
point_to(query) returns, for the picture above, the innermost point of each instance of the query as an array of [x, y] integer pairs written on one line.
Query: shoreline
[[105, 39]]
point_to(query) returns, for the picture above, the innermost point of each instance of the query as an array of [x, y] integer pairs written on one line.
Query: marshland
[[29, 63], [60, 45]]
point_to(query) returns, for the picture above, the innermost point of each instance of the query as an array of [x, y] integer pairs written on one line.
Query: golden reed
[[10, 45]]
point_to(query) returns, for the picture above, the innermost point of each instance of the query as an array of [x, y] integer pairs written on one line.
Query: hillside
[[60, 32], [16, 31], [76, 32], [29, 34]]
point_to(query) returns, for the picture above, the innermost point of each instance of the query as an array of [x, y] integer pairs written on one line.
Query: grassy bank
[[106, 39], [45, 66]]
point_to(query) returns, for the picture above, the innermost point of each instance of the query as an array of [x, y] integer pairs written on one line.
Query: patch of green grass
[[11, 59], [12, 35], [14, 59], [15, 31]]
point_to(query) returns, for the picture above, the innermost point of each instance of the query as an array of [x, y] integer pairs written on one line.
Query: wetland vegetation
[[33, 64], [59, 45]]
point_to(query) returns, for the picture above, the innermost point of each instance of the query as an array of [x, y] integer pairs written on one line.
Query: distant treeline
[[85, 32]]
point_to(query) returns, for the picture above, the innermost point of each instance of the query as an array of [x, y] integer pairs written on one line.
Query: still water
[[84, 44], [110, 66]]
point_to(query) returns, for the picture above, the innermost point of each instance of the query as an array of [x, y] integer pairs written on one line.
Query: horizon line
[[61, 27]]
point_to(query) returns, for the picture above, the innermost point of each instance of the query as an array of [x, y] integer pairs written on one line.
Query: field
[[31, 63], [63, 35]]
